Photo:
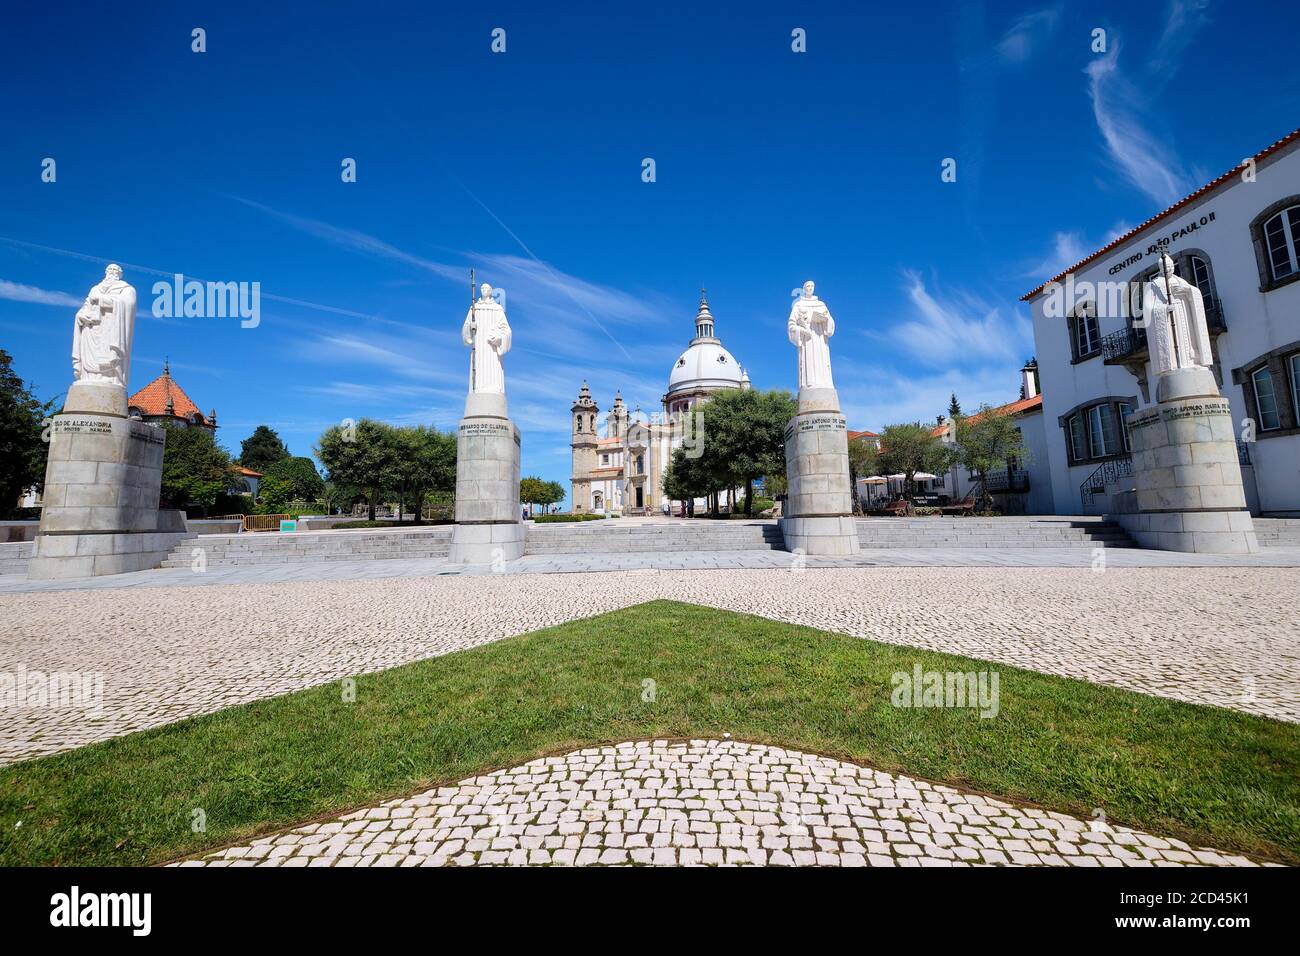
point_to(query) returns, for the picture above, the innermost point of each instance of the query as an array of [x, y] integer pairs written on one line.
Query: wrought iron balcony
[[1125, 346], [1013, 479]]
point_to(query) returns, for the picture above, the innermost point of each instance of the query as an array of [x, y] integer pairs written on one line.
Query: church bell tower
[[583, 443]]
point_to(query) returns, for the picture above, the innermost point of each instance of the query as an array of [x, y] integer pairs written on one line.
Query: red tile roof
[[862, 434], [1020, 406], [248, 472], [1207, 188], [152, 399]]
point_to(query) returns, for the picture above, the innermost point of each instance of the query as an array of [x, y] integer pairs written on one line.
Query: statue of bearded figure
[[102, 331], [1177, 331], [487, 333], [809, 328]]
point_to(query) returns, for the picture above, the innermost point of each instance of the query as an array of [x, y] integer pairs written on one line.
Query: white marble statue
[[810, 327], [1177, 333], [101, 334], [487, 333]]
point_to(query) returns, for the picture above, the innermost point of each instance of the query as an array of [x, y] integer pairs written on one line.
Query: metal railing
[[1125, 342], [263, 522], [1015, 479], [1106, 473]]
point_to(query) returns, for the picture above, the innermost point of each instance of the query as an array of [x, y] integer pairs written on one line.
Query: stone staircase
[[1278, 532], [305, 546], [611, 535], [1044, 531], [14, 556]]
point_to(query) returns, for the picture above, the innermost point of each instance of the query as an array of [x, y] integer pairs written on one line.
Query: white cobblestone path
[[1223, 636], [710, 803]]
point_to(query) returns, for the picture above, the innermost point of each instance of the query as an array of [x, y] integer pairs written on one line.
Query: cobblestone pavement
[[1223, 636], [710, 803], [369, 569]]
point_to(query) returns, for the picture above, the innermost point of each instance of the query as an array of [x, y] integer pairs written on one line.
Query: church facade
[[619, 468]]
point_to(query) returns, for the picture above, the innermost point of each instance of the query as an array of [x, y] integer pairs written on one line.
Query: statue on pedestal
[[101, 334], [1177, 331], [809, 328], [487, 333]]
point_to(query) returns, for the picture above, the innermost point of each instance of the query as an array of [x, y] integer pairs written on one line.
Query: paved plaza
[[707, 803], [172, 652]]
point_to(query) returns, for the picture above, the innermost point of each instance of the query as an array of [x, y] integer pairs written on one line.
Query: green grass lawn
[[1207, 775]]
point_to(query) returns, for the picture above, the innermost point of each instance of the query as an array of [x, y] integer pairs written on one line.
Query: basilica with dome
[[620, 468]]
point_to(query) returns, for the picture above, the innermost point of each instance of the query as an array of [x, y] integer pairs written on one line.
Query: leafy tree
[[195, 468], [431, 469], [23, 450], [555, 493], [744, 438], [531, 491], [954, 407], [987, 442], [911, 448], [298, 476], [864, 459], [686, 479], [262, 449], [366, 456]]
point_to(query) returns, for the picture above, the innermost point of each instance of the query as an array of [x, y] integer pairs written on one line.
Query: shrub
[[547, 519]]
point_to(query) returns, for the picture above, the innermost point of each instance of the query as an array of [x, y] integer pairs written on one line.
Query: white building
[[622, 470], [1238, 239]]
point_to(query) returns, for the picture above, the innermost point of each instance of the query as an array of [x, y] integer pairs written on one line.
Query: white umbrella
[[898, 477], [923, 476], [874, 480]]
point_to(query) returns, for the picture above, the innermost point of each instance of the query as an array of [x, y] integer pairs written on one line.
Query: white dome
[[704, 365]]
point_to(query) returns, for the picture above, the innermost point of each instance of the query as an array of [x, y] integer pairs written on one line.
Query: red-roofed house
[[163, 401], [1237, 238]]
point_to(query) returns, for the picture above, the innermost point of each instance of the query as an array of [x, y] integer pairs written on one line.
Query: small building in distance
[[163, 401]]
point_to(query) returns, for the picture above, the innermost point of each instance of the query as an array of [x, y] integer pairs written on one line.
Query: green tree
[[911, 448], [987, 442], [864, 459], [744, 438], [299, 477], [687, 478], [262, 449], [554, 493], [531, 491], [23, 450], [195, 468], [366, 456], [954, 407], [431, 471]]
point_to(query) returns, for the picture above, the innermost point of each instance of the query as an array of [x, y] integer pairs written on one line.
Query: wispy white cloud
[[17, 292], [1067, 248], [873, 396], [959, 328], [1142, 154], [1028, 35], [1183, 20]]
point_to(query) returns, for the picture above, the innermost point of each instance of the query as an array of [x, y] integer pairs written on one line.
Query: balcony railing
[[1124, 345], [1015, 479]]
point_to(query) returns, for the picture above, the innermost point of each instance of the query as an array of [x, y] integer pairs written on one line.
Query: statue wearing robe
[[487, 333], [102, 331], [1177, 332], [809, 328]]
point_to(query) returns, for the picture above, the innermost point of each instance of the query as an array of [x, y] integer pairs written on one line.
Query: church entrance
[[598, 502], [640, 497]]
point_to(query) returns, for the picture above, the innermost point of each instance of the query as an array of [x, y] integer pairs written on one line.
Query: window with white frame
[[1125, 410], [1101, 431], [1084, 335], [1077, 451], [1281, 233], [1265, 399], [1201, 276]]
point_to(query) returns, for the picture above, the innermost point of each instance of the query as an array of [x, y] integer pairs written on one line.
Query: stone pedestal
[[100, 504], [1188, 494], [818, 515], [488, 528]]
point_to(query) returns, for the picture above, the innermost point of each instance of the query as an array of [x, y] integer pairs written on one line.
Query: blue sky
[[772, 167]]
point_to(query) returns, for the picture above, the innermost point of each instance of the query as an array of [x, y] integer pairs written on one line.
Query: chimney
[[1028, 384]]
